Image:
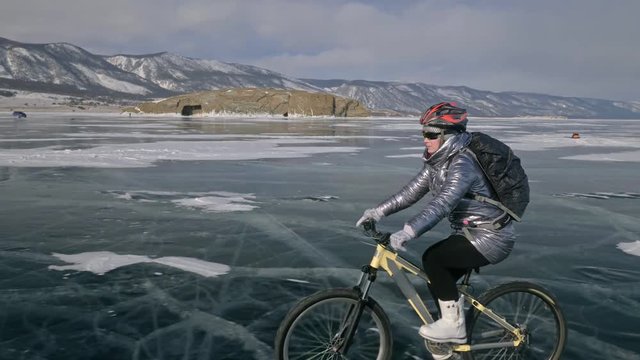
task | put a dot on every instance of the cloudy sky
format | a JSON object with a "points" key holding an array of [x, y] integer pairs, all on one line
{"points": [[587, 48]]}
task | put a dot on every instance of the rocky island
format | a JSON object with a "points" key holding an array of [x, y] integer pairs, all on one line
{"points": [[255, 101]]}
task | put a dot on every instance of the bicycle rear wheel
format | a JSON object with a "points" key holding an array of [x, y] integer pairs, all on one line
{"points": [[527, 306], [316, 326]]}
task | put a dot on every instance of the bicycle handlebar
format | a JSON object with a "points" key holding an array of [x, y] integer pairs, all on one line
{"points": [[370, 230]]}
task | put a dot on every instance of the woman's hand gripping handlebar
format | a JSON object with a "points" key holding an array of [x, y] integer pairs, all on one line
{"points": [[369, 229]]}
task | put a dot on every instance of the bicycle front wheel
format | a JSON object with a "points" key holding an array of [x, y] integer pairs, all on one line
{"points": [[527, 306], [317, 326]]}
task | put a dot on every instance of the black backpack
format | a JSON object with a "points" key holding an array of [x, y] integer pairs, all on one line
{"points": [[505, 173]]}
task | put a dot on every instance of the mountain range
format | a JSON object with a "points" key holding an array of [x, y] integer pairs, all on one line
{"points": [[67, 69]]}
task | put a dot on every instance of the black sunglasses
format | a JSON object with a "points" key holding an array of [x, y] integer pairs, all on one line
{"points": [[430, 135]]}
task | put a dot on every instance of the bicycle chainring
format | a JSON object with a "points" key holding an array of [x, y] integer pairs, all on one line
{"points": [[439, 350]]}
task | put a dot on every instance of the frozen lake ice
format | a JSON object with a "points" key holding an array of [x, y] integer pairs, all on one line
{"points": [[190, 238]]}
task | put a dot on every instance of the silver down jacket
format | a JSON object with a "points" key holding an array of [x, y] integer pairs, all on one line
{"points": [[449, 174]]}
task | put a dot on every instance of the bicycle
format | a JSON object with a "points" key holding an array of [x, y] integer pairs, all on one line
{"points": [[515, 320]]}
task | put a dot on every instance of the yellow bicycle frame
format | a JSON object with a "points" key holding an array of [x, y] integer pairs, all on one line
{"points": [[395, 265]]}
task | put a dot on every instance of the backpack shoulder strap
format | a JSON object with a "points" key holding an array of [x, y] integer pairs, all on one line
{"points": [[495, 203], [486, 199]]}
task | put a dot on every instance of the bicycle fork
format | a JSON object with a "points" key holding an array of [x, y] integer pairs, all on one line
{"points": [[343, 339]]}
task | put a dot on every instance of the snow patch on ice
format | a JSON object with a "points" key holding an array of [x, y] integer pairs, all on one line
{"points": [[632, 248], [28, 140], [182, 136], [625, 156], [101, 262], [535, 142], [213, 201], [219, 204], [197, 266], [298, 281], [418, 152], [146, 154], [416, 155]]}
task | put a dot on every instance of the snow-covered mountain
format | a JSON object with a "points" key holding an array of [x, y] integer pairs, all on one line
{"points": [[182, 74], [65, 68], [414, 98]]}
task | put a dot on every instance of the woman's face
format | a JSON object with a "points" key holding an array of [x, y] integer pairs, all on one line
{"points": [[432, 144]]}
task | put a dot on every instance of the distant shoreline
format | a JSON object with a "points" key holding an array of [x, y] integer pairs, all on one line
{"points": [[44, 102], [60, 109], [33, 102]]}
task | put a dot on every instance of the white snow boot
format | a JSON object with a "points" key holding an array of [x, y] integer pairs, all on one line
{"points": [[450, 327]]}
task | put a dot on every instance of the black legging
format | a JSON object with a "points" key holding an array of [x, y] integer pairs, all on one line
{"points": [[448, 260]]}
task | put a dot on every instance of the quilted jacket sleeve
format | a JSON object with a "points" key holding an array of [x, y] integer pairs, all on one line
{"points": [[415, 190]]}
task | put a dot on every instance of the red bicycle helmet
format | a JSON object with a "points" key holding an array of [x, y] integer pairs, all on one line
{"points": [[445, 115]]}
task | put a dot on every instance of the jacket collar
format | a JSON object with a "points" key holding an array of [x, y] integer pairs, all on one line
{"points": [[450, 147]]}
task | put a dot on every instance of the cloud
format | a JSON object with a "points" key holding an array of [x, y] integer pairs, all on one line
{"points": [[572, 48]]}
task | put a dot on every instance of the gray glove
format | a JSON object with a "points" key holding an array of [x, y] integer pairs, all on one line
{"points": [[399, 238], [373, 213]]}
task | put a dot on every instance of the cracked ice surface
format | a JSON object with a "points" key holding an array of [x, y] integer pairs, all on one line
{"points": [[168, 238]]}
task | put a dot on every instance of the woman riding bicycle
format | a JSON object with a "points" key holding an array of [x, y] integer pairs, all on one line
{"points": [[482, 233]]}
